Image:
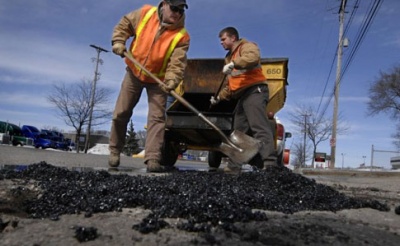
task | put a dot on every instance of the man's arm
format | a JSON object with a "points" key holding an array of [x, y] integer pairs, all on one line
{"points": [[126, 27], [178, 61], [249, 56]]}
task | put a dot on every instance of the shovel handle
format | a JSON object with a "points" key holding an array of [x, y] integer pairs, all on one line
{"points": [[130, 57], [205, 119], [220, 85], [219, 89], [184, 102]]}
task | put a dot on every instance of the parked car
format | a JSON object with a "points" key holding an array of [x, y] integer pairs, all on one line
{"points": [[30, 131], [58, 139], [43, 141], [281, 136], [15, 133]]}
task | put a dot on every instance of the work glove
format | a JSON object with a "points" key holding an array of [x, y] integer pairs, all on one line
{"points": [[228, 68], [214, 101], [225, 94], [119, 49], [168, 86]]}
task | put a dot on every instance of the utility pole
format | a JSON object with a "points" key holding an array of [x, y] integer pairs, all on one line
{"points": [[96, 74], [343, 159], [372, 155], [337, 84], [305, 138]]}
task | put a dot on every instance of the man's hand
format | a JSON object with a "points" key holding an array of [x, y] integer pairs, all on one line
{"points": [[168, 86], [214, 101], [119, 49], [228, 68]]}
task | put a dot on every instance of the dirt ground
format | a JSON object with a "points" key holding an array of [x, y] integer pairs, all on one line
{"points": [[345, 227]]}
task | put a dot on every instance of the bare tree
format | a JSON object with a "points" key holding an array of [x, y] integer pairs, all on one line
{"points": [[384, 97], [318, 128], [73, 105], [396, 137], [384, 94], [298, 152]]}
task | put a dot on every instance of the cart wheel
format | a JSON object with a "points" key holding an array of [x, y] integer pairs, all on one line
{"points": [[214, 159], [169, 154], [257, 162]]}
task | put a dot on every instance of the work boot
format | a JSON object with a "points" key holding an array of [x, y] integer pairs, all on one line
{"points": [[232, 169], [212, 169], [269, 164], [153, 166], [113, 160]]}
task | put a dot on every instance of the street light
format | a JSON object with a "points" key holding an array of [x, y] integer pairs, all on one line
{"points": [[343, 159], [364, 159]]}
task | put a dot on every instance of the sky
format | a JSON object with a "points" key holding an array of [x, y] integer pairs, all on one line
{"points": [[46, 42]]}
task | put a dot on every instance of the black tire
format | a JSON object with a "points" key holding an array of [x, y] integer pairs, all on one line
{"points": [[169, 153], [19, 144], [214, 159], [280, 159], [257, 162]]}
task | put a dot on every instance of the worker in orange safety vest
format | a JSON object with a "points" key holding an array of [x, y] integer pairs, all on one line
{"points": [[160, 43], [247, 83]]}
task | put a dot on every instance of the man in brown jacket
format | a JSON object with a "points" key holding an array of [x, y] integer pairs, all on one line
{"points": [[160, 44], [247, 83]]}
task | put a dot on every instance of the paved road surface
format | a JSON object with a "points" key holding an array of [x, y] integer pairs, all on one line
{"points": [[346, 227], [12, 155]]}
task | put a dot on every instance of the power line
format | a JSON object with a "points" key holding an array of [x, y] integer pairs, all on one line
{"points": [[362, 32], [360, 37], [355, 8], [339, 74]]}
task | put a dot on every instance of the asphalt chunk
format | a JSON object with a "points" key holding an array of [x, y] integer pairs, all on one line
{"points": [[204, 200]]}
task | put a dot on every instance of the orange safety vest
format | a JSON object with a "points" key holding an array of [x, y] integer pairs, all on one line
{"points": [[244, 77], [153, 54]]}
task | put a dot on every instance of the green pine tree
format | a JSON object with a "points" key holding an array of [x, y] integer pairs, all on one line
{"points": [[131, 143]]}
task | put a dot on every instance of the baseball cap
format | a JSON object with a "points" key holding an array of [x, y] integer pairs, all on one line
{"points": [[177, 3]]}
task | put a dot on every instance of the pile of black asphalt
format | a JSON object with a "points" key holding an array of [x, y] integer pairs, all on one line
{"points": [[204, 200]]}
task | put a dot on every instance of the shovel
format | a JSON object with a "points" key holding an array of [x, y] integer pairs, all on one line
{"points": [[239, 147], [219, 89]]}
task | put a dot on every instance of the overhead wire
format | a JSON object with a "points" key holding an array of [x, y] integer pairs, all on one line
{"points": [[360, 38], [362, 32], [353, 13]]}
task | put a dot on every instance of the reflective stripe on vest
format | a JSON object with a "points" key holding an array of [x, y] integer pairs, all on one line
{"points": [[171, 48], [237, 72], [244, 77], [143, 23]]}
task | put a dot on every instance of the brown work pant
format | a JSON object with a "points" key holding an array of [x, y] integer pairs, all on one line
{"points": [[129, 96], [251, 118]]}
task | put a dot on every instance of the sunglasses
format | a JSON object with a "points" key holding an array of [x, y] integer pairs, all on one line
{"points": [[176, 9]]}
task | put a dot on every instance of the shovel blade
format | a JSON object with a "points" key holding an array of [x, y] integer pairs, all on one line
{"points": [[244, 149]]}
